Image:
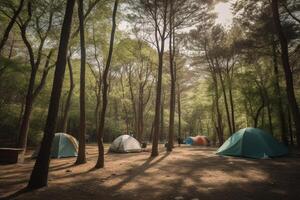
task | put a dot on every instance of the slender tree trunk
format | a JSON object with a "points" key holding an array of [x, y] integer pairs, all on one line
{"points": [[162, 123], [287, 70], [270, 117], [290, 127], [81, 150], [32, 91], [39, 175], [156, 129], [100, 160], [160, 53], [10, 25], [179, 111], [231, 104], [219, 126], [225, 101], [256, 117], [11, 48], [64, 123], [23, 131], [173, 79], [133, 102], [283, 127], [140, 113]]}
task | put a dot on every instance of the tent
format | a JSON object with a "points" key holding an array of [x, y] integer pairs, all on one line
{"points": [[125, 144], [63, 145], [189, 140], [202, 140], [252, 143], [198, 140]]}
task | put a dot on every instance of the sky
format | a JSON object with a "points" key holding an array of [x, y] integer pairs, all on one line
{"points": [[223, 11], [224, 14]]}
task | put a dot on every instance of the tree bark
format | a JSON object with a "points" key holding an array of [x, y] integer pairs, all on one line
{"points": [[225, 100], [64, 123], [81, 159], [287, 70], [39, 175], [160, 53], [173, 78], [290, 127], [100, 160], [231, 101], [179, 111], [218, 113], [282, 119]]}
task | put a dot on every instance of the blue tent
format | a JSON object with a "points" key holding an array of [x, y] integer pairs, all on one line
{"points": [[189, 141]]}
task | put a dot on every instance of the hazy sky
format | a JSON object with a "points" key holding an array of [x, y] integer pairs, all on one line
{"points": [[224, 14]]}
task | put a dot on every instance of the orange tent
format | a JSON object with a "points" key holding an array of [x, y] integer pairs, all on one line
{"points": [[201, 140]]}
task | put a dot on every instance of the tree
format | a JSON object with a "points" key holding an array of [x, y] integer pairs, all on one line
{"points": [[157, 10], [67, 106], [16, 13], [100, 160], [35, 60], [81, 151], [287, 69], [39, 175]]}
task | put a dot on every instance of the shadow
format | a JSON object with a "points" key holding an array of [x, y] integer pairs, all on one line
{"points": [[187, 172], [140, 170], [16, 194]]}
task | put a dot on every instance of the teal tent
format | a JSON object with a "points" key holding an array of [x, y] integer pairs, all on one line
{"points": [[252, 143], [63, 145]]}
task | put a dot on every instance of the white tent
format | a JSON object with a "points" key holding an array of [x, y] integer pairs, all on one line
{"points": [[125, 144]]}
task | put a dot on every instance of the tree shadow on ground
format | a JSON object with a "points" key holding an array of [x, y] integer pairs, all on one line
{"points": [[184, 172]]}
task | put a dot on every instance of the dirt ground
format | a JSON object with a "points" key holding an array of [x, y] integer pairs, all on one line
{"points": [[186, 173]]}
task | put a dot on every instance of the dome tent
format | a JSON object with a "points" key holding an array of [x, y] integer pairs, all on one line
{"points": [[189, 140], [125, 144], [252, 143], [63, 145]]}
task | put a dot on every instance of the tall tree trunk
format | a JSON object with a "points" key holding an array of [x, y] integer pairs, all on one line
{"points": [[231, 103], [23, 131], [140, 113], [256, 117], [39, 175], [156, 129], [160, 53], [81, 150], [179, 110], [100, 160], [162, 123], [10, 25], [270, 117], [287, 70], [225, 101], [32, 91], [173, 78], [283, 127], [133, 102], [290, 127], [219, 126], [64, 123]]}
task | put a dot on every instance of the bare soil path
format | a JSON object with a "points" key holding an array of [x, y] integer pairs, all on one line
{"points": [[186, 173]]}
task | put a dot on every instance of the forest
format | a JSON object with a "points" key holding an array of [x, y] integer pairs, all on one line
{"points": [[160, 71]]}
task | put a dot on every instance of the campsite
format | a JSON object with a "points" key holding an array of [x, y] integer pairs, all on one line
{"points": [[187, 172], [149, 99]]}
